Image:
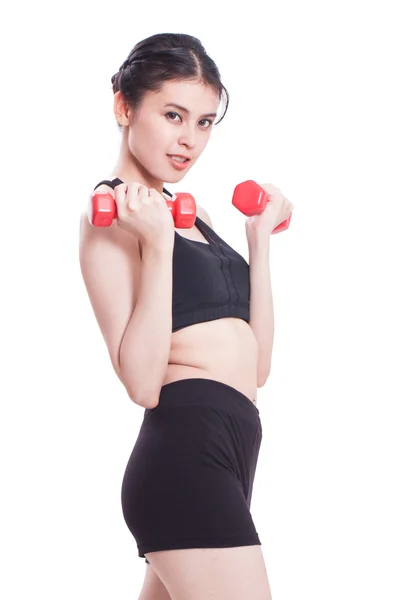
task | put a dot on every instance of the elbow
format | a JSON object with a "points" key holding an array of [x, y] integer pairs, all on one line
{"points": [[143, 398], [146, 401], [262, 378], [261, 382]]}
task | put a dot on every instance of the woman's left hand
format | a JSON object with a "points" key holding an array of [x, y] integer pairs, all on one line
{"points": [[277, 210]]}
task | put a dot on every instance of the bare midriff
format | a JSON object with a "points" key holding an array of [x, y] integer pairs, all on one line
{"points": [[224, 350]]}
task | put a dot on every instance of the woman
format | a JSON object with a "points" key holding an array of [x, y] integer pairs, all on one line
{"points": [[183, 336]]}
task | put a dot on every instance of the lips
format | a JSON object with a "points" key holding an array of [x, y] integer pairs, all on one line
{"points": [[178, 165], [179, 156]]}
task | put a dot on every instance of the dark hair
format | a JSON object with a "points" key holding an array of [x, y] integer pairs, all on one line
{"points": [[163, 57]]}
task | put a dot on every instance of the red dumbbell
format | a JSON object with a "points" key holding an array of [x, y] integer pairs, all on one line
{"points": [[103, 209], [251, 199]]}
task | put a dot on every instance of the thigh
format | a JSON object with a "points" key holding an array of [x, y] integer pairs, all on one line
{"points": [[153, 588], [223, 573]]}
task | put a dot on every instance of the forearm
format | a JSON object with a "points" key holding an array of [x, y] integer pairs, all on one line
{"points": [[146, 344], [261, 307]]}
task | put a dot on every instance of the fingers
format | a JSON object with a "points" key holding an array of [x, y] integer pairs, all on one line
{"points": [[126, 197], [155, 195], [119, 194]]}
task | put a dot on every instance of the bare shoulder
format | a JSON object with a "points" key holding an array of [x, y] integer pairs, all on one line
{"points": [[204, 216]]}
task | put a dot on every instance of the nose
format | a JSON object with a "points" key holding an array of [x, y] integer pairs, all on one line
{"points": [[188, 137]]}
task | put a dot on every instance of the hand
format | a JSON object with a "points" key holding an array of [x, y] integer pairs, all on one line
{"points": [[277, 210], [144, 212]]}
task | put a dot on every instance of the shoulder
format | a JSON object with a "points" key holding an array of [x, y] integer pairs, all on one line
{"points": [[204, 216]]}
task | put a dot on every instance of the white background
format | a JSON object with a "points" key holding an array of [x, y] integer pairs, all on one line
{"points": [[314, 90]]}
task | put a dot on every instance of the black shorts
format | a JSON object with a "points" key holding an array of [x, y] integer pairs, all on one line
{"points": [[189, 479]]}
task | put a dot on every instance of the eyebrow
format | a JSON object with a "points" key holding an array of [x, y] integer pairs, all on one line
{"points": [[182, 108]]}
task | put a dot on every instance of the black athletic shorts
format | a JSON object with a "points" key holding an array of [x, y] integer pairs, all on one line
{"points": [[189, 479]]}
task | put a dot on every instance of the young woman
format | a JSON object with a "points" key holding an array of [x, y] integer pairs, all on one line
{"points": [[183, 335]]}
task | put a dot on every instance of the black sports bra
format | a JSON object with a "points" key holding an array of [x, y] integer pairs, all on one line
{"points": [[210, 281]]}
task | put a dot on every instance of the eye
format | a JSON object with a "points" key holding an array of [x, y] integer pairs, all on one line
{"points": [[178, 115], [209, 120], [172, 113]]}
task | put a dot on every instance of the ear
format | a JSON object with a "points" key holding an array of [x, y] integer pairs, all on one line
{"points": [[121, 110], [204, 216]]}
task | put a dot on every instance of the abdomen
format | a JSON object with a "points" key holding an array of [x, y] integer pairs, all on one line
{"points": [[225, 350]]}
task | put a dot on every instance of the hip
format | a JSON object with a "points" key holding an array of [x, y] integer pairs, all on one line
{"points": [[204, 409]]}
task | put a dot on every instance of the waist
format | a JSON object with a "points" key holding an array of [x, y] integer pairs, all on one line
{"points": [[206, 392], [225, 350]]}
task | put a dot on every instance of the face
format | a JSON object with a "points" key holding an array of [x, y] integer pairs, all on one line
{"points": [[160, 129]]}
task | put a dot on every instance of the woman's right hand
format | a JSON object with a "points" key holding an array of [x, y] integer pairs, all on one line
{"points": [[144, 212]]}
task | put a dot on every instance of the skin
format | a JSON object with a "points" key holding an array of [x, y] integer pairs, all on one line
{"points": [[154, 131], [148, 135], [155, 127]]}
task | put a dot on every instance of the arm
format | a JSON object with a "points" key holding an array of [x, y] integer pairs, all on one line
{"points": [[145, 347], [132, 302], [261, 307]]}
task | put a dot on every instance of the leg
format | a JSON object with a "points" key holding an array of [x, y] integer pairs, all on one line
{"points": [[189, 511], [153, 588], [220, 573]]}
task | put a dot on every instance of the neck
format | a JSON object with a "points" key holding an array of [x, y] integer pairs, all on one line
{"points": [[128, 169]]}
